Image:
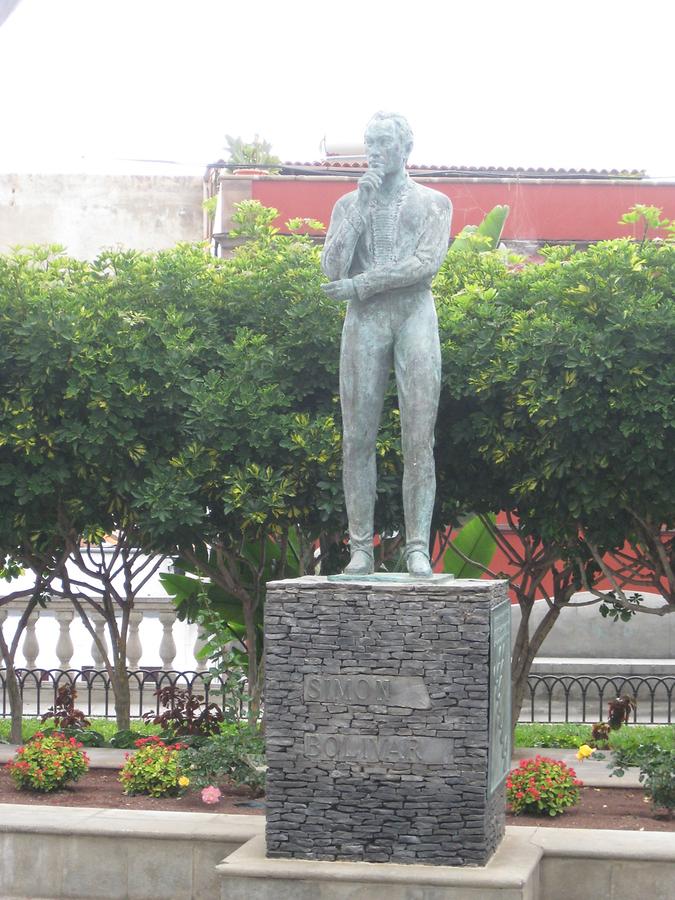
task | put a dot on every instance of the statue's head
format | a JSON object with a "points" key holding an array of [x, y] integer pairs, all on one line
{"points": [[388, 141]]}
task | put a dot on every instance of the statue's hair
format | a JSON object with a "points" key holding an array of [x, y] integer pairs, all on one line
{"points": [[399, 122]]}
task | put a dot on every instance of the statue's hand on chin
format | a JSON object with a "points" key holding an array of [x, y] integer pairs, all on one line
{"points": [[369, 183]]}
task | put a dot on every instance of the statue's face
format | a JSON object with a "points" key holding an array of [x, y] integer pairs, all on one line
{"points": [[384, 147]]}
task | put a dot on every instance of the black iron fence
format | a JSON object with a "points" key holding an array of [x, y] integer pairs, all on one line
{"points": [[550, 698], [584, 698], [96, 698]]}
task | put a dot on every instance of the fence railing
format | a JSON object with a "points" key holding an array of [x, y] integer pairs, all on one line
{"points": [[584, 698], [550, 698], [95, 696]]}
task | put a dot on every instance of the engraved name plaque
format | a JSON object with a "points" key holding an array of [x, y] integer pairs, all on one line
{"points": [[367, 690], [390, 750]]}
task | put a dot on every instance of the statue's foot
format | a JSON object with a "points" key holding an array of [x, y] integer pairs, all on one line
{"points": [[361, 563], [418, 564]]}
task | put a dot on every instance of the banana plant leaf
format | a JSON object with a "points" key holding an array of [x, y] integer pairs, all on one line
{"points": [[476, 542], [490, 228], [186, 591]]}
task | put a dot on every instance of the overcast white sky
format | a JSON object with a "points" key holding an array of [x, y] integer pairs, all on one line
{"points": [[84, 83]]}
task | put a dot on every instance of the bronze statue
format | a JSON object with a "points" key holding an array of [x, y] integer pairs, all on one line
{"points": [[385, 243]]}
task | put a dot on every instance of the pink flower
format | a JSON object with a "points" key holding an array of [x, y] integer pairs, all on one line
{"points": [[211, 794]]}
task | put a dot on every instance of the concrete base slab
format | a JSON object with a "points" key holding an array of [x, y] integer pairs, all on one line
{"points": [[511, 874], [530, 864]]}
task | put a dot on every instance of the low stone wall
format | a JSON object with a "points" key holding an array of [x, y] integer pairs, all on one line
{"points": [[61, 853], [54, 853]]}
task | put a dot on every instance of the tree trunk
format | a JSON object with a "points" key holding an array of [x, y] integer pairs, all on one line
{"points": [[15, 702], [254, 675], [12, 682], [120, 683], [525, 650]]}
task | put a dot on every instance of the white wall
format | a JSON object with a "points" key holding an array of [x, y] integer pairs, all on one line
{"points": [[87, 212], [582, 632]]}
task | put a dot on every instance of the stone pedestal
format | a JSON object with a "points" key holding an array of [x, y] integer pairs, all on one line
{"points": [[387, 707]]}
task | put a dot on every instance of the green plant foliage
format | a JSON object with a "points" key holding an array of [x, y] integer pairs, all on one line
{"points": [[125, 740], [255, 152], [657, 771], [563, 736], [63, 713], [567, 735], [154, 769], [486, 235], [473, 542], [612, 609], [235, 758], [105, 727], [87, 737], [562, 373], [184, 713], [542, 785], [48, 763]]}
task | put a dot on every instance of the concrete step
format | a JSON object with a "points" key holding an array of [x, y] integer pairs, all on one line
{"points": [[609, 667]]}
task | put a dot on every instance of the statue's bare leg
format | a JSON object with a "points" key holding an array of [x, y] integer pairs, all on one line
{"points": [[365, 365]]}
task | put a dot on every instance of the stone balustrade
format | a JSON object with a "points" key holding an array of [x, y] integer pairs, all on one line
{"points": [[56, 638]]}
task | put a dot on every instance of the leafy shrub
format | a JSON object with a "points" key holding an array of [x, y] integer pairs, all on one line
{"points": [[564, 736], [185, 713], [619, 710], [48, 762], [125, 740], [629, 744], [236, 758], [600, 735], [657, 772], [154, 769], [63, 711], [542, 785], [88, 738]]}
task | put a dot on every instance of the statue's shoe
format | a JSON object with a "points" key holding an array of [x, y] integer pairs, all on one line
{"points": [[361, 563], [418, 564]]}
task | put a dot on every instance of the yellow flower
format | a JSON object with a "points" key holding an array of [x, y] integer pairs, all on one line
{"points": [[585, 751], [183, 781]]}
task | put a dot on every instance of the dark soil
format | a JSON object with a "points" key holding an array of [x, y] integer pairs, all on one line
{"points": [[101, 788], [621, 809]]}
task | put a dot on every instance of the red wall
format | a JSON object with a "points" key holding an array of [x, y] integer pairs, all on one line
{"points": [[501, 564], [554, 211]]}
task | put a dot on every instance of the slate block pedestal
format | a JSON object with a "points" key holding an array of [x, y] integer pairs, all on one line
{"points": [[387, 710]]}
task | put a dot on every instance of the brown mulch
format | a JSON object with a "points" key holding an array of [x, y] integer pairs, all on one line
{"points": [[101, 788], [621, 809]]}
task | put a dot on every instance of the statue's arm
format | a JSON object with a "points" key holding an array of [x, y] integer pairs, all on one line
{"points": [[422, 265], [346, 225]]}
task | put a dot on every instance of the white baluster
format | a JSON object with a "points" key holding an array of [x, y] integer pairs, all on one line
{"points": [[31, 647], [64, 644], [200, 664], [167, 647], [134, 647], [99, 628]]}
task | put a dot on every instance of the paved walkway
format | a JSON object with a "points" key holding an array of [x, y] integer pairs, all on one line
{"points": [[593, 772]]}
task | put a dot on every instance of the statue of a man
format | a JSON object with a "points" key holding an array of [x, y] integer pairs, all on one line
{"points": [[386, 241]]}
